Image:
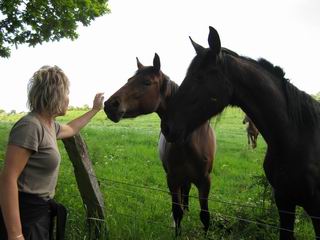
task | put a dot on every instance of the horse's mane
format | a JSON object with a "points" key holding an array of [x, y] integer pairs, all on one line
{"points": [[276, 70], [173, 87], [302, 108]]}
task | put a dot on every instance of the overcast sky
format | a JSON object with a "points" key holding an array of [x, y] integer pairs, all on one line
{"points": [[286, 32]]}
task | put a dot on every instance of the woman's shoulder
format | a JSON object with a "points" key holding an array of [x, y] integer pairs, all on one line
{"points": [[27, 132], [29, 119]]}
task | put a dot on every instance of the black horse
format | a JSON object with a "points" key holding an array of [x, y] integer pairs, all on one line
{"points": [[286, 117]]}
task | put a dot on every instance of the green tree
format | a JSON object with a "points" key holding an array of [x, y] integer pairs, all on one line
{"points": [[316, 96], [36, 21]]}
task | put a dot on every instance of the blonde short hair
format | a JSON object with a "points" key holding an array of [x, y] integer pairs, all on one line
{"points": [[47, 90]]}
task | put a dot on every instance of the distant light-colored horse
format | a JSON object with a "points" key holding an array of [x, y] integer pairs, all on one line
{"points": [[252, 131]]}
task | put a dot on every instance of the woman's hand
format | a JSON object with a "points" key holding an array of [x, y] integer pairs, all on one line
{"points": [[74, 126], [98, 102]]}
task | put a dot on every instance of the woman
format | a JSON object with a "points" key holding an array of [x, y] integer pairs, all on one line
{"points": [[29, 175]]}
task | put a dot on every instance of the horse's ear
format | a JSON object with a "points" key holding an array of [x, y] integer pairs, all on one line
{"points": [[156, 62], [139, 64], [214, 41], [196, 46]]}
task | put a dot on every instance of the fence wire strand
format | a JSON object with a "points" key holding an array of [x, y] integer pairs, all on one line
{"points": [[126, 192]]}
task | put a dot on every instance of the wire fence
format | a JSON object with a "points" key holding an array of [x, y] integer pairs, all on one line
{"points": [[123, 190]]}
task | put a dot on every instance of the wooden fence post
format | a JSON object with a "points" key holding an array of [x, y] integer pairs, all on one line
{"points": [[88, 186]]}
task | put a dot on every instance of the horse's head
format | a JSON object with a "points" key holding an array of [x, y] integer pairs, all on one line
{"points": [[140, 95], [204, 92]]}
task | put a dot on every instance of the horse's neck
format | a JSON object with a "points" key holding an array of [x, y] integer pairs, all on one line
{"points": [[169, 89], [262, 99]]}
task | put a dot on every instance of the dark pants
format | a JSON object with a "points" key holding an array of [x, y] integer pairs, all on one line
{"points": [[37, 218]]}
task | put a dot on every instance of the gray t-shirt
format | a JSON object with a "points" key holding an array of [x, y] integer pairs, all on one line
{"points": [[41, 171]]}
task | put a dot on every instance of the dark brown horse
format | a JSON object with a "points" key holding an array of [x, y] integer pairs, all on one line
{"points": [[191, 162], [252, 132], [287, 118]]}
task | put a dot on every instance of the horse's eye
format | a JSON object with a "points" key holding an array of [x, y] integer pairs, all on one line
{"points": [[147, 82]]}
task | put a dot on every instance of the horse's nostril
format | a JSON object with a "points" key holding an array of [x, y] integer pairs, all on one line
{"points": [[112, 104], [115, 103]]}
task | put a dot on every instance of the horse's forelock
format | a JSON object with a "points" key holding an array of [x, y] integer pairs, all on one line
{"points": [[145, 70]]}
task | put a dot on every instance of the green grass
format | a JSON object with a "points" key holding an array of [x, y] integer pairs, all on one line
{"points": [[132, 180]]}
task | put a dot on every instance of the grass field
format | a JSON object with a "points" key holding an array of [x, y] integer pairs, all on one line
{"points": [[132, 180]]}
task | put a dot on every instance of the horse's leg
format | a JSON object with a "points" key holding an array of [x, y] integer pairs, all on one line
{"points": [[251, 139], [254, 141], [177, 210], [315, 217], [313, 211], [185, 195], [287, 216], [248, 135], [204, 189]]}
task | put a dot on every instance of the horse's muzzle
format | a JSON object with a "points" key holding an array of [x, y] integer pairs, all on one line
{"points": [[112, 110]]}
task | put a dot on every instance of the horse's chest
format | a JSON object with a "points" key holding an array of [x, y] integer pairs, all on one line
{"points": [[298, 179], [182, 162], [279, 170]]}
